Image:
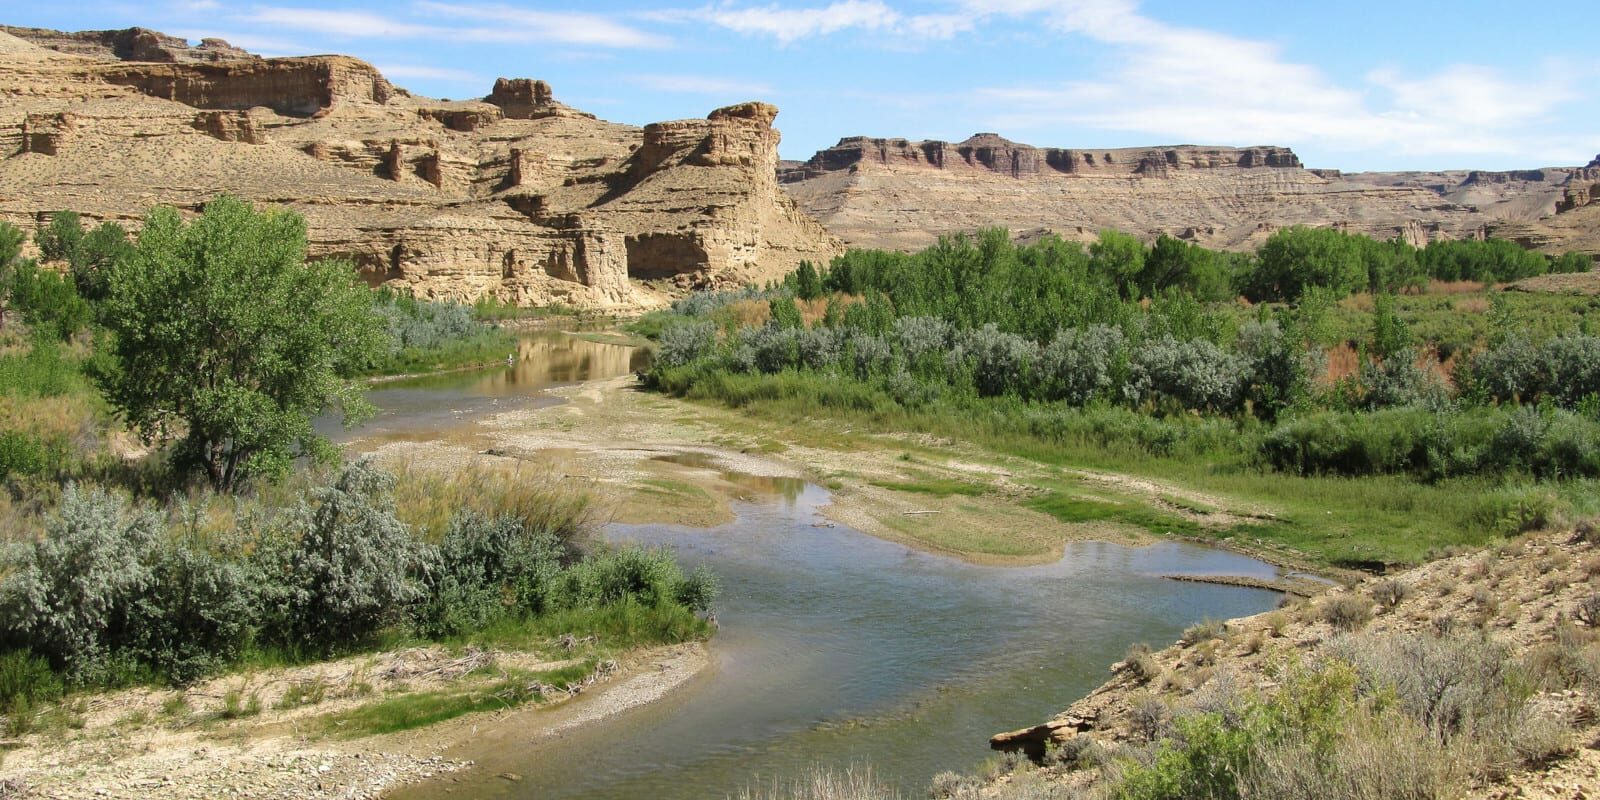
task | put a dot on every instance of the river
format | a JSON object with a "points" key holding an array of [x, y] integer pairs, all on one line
{"points": [[835, 648]]}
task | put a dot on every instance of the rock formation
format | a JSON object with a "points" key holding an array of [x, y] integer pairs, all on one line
{"points": [[902, 194], [516, 196]]}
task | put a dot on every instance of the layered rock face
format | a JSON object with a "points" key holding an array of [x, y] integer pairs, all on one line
{"points": [[516, 196], [903, 194]]}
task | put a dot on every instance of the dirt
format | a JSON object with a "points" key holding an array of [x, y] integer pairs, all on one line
{"points": [[1520, 595], [186, 744]]}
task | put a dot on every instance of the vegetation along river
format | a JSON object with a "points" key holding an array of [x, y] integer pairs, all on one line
{"points": [[835, 648]]}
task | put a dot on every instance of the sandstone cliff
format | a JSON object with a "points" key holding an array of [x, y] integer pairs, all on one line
{"points": [[517, 195], [902, 194]]}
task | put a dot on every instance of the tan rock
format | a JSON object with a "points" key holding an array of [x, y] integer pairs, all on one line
{"points": [[903, 194], [517, 196]]}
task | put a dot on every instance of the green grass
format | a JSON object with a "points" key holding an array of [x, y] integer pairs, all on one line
{"points": [[1364, 522], [1068, 508], [506, 690], [937, 487], [481, 349]]}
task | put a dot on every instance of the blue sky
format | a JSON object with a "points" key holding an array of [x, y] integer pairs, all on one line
{"points": [[1356, 84]]}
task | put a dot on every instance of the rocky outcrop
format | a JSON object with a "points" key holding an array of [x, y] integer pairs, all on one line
{"points": [[902, 194], [994, 153], [129, 44], [517, 196]]}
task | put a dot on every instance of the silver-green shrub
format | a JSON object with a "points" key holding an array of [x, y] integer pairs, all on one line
{"points": [[67, 595], [343, 565]]}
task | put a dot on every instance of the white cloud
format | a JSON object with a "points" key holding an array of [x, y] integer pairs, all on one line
{"points": [[1192, 85], [791, 24], [424, 72], [260, 45], [701, 84], [493, 23]]}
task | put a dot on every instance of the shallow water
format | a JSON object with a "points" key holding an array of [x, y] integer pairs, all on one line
{"points": [[423, 408], [837, 648]]}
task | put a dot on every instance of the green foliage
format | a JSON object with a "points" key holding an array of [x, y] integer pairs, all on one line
{"points": [[1120, 257], [805, 282], [20, 454], [27, 677], [343, 565], [68, 595], [1295, 258], [432, 334], [1485, 260], [41, 372], [48, 301], [59, 239], [224, 332], [1390, 335]]}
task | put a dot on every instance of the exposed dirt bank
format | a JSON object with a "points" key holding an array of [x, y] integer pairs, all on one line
{"points": [[661, 460], [277, 733]]}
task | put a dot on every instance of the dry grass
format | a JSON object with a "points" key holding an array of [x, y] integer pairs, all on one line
{"points": [[1457, 287], [428, 498], [749, 313]]}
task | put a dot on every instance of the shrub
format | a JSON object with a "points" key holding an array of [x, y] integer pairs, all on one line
{"points": [[48, 301], [686, 343], [20, 454], [487, 567], [68, 595], [1079, 365], [1390, 592], [196, 614], [1194, 374], [343, 565], [1345, 611], [29, 677]]}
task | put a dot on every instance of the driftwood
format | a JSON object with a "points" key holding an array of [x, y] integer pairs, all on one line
{"points": [[910, 513]]}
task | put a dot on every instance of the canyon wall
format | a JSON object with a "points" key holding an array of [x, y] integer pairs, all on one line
{"points": [[515, 196], [903, 194]]}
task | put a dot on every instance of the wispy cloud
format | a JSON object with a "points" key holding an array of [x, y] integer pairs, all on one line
{"points": [[702, 84], [792, 24], [435, 20], [424, 72], [260, 45], [1189, 84]]}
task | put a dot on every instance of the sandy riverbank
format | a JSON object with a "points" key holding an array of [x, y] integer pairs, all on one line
{"points": [[281, 738]]}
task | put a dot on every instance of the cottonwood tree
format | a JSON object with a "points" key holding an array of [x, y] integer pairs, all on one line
{"points": [[225, 335]]}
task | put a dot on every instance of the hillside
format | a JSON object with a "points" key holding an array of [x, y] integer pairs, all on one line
{"points": [[903, 194], [516, 195]]}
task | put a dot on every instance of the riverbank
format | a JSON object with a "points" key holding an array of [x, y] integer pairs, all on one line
{"points": [[298, 732], [659, 459], [1496, 651]]}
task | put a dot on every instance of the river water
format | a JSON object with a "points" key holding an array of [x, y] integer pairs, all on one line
{"points": [[834, 648]]}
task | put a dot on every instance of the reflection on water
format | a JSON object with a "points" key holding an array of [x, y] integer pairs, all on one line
{"points": [[768, 486], [836, 648], [421, 408]]}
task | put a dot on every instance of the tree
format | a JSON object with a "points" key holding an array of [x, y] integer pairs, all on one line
{"points": [[807, 283], [58, 240], [11, 239], [225, 334], [1119, 257]]}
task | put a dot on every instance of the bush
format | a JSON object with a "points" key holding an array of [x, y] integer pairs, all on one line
{"points": [[1194, 374], [1080, 365], [685, 344], [28, 677], [68, 596], [1346, 611], [196, 614], [343, 565], [48, 301], [20, 454], [489, 567]]}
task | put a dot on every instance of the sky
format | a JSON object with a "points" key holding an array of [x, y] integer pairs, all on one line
{"points": [[1354, 84]]}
